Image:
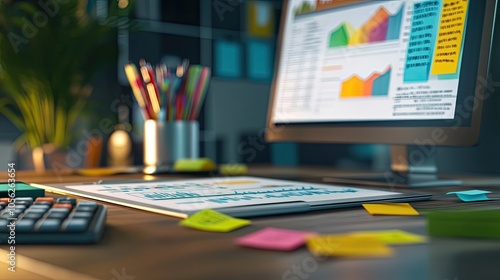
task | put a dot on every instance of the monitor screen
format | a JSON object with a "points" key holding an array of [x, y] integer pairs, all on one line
{"points": [[360, 71]]}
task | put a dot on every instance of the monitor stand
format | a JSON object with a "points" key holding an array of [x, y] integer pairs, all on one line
{"points": [[412, 166]]}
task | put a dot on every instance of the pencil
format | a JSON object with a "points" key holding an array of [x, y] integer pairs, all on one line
{"points": [[135, 83]]}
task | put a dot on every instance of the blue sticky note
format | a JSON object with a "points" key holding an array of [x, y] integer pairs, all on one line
{"points": [[472, 195], [260, 60], [228, 59]]}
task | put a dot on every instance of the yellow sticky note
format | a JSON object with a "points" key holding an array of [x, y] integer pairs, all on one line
{"points": [[194, 165], [260, 19], [398, 209], [342, 245], [392, 237], [450, 36], [210, 220], [233, 169]]}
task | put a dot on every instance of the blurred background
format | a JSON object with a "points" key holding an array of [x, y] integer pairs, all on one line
{"points": [[103, 126]]}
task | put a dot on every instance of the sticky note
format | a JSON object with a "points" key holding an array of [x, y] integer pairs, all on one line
{"points": [[233, 169], [210, 220], [260, 60], [397, 209], [450, 38], [482, 223], [392, 237], [228, 59], [343, 245], [194, 165], [275, 239], [260, 19], [472, 195]]}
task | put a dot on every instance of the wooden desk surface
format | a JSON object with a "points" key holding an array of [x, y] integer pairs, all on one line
{"points": [[142, 245]]}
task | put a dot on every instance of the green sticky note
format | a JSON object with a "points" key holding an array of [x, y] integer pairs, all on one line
{"points": [[194, 165], [210, 220], [464, 223], [21, 190]]}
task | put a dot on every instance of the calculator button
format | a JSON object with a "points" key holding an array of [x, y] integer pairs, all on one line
{"points": [[58, 213], [88, 204], [24, 203], [75, 225], [62, 205], [58, 216], [8, 214], [24, 200], [20, 207], [3, 225], [5, 200], [3, 205], [85, 209], [67, 200], [48, 199], [33, 215], [48, 225], [82, 215], [36, 210], [59, 210], [39, 206], [48, 203], [25, 225]]}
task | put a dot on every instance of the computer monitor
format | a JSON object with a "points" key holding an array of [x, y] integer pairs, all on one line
{"points": [[412, 74]]}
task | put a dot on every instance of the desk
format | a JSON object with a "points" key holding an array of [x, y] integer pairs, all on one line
{"points": [[142, 245]]}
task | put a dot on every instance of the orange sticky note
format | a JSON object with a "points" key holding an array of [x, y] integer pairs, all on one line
{"points": [[397, 209]]}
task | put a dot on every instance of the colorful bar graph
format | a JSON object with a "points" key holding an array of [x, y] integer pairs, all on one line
{"points": [[377, 84], [381, 27]]}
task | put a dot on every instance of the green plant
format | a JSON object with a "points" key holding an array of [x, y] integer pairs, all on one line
{"points": [[46, 66]]}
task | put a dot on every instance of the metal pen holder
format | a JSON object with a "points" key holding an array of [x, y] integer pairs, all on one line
{"points": [[166, 142]]}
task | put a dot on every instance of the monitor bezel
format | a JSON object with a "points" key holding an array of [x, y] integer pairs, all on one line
{"points": [[393, 135]]}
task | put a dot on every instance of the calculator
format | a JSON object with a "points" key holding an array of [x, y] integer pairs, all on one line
{"points": [[50, 220]]}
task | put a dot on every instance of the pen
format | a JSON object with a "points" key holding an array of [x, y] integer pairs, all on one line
{"points": [[155, 104], [197, 92], [202, 94], [137, 89]]}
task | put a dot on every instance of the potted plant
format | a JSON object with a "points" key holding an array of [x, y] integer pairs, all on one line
{"points": [[49, 53]]}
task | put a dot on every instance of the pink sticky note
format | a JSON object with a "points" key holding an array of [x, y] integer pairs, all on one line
{"points": [[275, 239]]}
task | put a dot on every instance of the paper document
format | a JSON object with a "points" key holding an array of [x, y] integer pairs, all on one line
{"points": [[237, 196]]}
